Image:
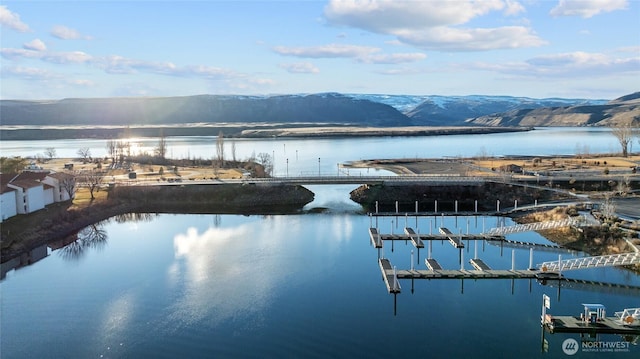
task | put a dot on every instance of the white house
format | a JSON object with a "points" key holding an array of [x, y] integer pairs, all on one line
{"points": [[29, 195], [31, 191], [63, 185], [8, 206]]}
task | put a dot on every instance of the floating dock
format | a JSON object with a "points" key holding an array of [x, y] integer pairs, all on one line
{"points": [[479, 264], [570, 324], [415, 239], [432, 264], [435, 271], [376, 239], [390, 280], [452, 238]]}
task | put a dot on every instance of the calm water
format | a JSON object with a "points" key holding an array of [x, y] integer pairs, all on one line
{"points": [[308, 157], [288, 286]]}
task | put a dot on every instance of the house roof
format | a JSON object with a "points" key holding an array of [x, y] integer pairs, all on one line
{"points": [[5, 178], [30, 175], [60, 176], [26, 183]]}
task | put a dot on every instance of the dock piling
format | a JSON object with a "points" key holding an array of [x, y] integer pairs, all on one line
{"points": [[530, 258]]}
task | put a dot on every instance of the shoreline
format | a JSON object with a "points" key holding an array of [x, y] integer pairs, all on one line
{"points": [[240, 130]]}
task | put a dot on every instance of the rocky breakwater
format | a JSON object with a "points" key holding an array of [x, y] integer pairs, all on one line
{"points": [[238, 198], [486, 194]]}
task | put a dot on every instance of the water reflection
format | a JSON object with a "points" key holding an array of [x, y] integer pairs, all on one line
{"points": [[135, 217], [90, 237], [24, 260], [225, 271]]}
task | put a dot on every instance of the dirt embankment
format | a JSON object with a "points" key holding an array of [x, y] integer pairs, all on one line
{"points": [[487, 196], [22, 233]]}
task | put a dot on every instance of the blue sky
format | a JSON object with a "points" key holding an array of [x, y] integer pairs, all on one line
{"points": [[534, 48]]}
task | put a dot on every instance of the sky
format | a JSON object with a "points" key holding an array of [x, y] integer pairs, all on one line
{"points": [[534, 48]]}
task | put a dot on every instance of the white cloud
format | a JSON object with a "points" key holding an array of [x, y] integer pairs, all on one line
{"points": [[363, 54], [393, 58], [82, 83], [571, 64], [18, 54], [300, 68], [326, 51], [72, 57], [434, 24], [455, 39], [35, 45], [66, 33], [118, 65], [12, 20], [28, 73], [587, 8]]}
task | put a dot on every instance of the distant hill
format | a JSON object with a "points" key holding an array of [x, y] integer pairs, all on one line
{"points": [[377, 110], [316, 108], [623, 110], [456, 110]]}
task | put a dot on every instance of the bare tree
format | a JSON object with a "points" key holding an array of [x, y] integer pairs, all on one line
{"points": [[266, 161], [93, 181], [624, 133], [220, 149], [161, 150], [233, 152], [84, 153], [50, 152], [91, 237], [69, 186]]}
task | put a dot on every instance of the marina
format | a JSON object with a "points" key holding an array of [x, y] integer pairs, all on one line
{"points": [[592, 320]]}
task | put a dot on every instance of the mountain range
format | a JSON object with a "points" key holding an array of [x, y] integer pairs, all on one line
{"points": [[321, 109]]}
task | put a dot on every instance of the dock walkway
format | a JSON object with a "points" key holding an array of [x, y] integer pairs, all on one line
{"points": [[415, 238], [390, 279], [479, 264], [570, 324], [452, 238]]}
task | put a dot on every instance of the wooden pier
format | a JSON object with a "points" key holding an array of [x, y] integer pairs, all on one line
{"points": [[452, 238], [479, 264], [435, 271], [570, 324], [415, 239], [376, 238], [390, 280], [432, 264]]}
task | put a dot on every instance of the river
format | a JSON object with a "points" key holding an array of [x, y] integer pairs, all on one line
{"points": [[230, 286]]}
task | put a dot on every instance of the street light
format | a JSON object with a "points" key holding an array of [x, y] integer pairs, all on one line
{"points": [[287, 167], [318, 166]]}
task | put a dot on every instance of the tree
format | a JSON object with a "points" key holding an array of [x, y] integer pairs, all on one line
{"points": [[12, 164], [233, 152], [111, 150], [93, 236], [161, 150], [50, 152], [69, 186], [84, 153], [93, 181], [220, 149], [624, 133], [266, 161]]}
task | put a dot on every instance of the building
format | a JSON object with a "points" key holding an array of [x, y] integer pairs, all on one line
{"points": [[31, 191]]}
